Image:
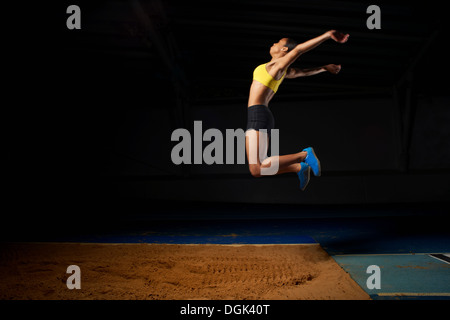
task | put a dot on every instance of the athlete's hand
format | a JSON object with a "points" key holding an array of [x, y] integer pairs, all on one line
{"points": [[333, 68], [338, 36]]}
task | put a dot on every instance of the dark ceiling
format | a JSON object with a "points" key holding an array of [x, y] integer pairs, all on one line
{"points": [[208, 49]]}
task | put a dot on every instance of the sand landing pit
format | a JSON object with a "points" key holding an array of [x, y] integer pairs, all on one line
{"points": [[173, 272]]}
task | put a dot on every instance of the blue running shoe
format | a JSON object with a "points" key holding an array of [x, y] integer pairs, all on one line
{"points": [[313, 161], [304, 175]]}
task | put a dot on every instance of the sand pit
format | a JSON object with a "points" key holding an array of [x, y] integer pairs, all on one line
{"points": [[173, 272]]}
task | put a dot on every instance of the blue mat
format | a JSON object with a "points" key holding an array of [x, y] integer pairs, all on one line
{"points": [[405, 276]]}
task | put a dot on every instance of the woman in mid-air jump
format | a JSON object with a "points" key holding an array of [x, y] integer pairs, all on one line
{"points": [[266, 80]]}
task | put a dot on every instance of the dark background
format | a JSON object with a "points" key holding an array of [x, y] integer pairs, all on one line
{"points": [[89, 113]]}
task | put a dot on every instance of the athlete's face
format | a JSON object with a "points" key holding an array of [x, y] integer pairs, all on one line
{"points": [[279, 46]]}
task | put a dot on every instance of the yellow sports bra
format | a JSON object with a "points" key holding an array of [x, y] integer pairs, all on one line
{"points": [[261, 75]]}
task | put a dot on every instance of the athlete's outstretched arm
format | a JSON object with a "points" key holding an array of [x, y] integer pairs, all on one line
{"points": [[293, 73], [304, 47]]}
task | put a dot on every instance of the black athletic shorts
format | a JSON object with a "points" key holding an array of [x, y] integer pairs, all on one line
{"points": [[260, 117]]}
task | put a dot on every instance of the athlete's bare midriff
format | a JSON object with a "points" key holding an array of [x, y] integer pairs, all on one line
{"points": [[259, 94]]}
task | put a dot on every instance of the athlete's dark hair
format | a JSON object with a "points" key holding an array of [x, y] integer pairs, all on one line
{"points": [[290, 44]]}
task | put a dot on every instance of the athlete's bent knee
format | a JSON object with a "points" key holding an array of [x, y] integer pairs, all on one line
{"points": [[255, 171]]}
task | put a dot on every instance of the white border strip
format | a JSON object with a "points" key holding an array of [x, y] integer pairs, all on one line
{"points": [[444, 254], [387, 254], [414, 294]]}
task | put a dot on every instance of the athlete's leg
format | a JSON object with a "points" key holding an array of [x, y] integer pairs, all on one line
{"points": [[254, 152], [286, 163], [291, 168], [256, 144]]}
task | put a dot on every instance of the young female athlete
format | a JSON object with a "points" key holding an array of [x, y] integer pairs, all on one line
{"points": [[266, 80]]}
